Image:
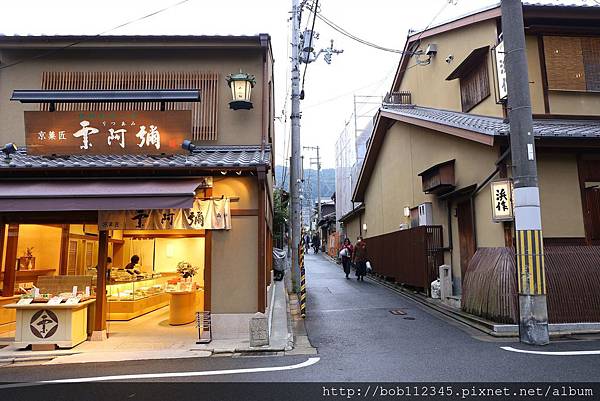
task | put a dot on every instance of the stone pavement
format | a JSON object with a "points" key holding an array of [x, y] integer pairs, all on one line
{"points": [[151, 337]]}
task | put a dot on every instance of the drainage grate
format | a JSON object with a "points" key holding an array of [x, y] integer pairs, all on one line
{"points": [[397, 312], [409, 318]]}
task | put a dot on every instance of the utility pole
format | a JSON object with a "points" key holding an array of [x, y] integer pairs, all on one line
{"points": [[295, 166], [308, 56], [533, 312], [318, 163]]}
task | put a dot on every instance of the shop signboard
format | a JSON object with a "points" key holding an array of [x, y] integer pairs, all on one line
{"points": [[501, 193], [212, 214], [66, 133], [501, 72]]}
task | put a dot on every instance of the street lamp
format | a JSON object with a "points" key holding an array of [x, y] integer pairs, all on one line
{"points": [[241, 85]]}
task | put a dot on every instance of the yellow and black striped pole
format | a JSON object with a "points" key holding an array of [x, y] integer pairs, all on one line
{"points": [[530, 262], [302, 278]]}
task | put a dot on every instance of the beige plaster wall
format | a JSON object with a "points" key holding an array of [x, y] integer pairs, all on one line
{"points": [[428, 84], [536, 83], [578, 103], [234, 267], [234, 127], [353, 228], [243, 187], [560, 196]]}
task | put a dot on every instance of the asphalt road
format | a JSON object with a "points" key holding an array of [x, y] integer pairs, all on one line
{"points": [[359, 340]]}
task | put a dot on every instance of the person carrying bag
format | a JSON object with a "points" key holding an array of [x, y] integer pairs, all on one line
{"points": [[346, 255], [360, 258]]}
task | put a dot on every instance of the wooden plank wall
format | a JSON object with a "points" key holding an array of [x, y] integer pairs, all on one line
{"points": [[204, 113]]}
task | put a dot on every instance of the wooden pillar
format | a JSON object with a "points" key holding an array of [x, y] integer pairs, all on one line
{"points": [[262, 288], [207, 261], [64, 250], [2, 231], [10, 261], [101, 305]]}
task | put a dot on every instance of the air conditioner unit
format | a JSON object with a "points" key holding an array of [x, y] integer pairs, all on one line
{"points": [[425, 214]]}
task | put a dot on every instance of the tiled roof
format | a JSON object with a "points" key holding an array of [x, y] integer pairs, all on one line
{"points": [[494, 126], [557, 3], [202, 157]]}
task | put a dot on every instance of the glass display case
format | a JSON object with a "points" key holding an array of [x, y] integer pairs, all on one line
{"points": [[135, 290]]}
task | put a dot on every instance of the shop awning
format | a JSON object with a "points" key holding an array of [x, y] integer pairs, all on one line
{"points": [[66, 195]]}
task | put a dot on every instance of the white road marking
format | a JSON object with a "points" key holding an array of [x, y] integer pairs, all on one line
{"points": [[554, 353], [309, 362]]}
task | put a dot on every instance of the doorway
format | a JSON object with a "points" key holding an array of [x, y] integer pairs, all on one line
{"points": [[466, 234]]}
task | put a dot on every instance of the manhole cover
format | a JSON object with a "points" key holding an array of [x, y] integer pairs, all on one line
{"points": [[409, 318], [397, 312]]}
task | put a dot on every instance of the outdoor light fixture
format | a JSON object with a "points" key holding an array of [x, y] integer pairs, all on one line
{"points": [[239, 172], [364, 226], [188, 145], [241, 85], [406, 211], [223, 172], [9, 149]]}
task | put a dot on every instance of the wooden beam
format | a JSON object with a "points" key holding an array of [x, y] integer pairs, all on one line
{"points": [[10, 261], [64, 250], [244, 212], [208, 263], [100, 319], [261, 288], [542, 56]]}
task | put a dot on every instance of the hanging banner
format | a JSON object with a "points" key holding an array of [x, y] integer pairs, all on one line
{"points": [[204, 215], [502, 207]]}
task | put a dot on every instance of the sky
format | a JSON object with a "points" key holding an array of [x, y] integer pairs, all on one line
{"points": [[329, 89]]}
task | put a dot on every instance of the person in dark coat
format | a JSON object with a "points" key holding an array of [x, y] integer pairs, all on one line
{"points": [[316, 242], [346, 251], [360, 258]]}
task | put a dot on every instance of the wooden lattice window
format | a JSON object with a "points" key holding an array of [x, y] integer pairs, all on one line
{"points": [[204, 113], [572, 63], [474, 85]]}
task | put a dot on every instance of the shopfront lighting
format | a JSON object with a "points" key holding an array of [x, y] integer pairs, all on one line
{"points": [[239, 172], [241, 85], [223, 172], [188, 145], [9, 149]]}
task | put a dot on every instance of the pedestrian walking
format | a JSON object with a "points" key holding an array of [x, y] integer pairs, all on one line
{"points": [[316, 242], [346, 254], [306, 243], [360, 258]]}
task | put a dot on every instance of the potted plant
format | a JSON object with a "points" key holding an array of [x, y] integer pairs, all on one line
{"points": [[27, 261], [186, 270]]}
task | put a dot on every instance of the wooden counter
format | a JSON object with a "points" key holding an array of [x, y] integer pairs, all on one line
{"points": [[40, 324], [184, 305], [7, 316]]}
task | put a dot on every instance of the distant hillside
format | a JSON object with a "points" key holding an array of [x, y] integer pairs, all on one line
{"points": [[310, 181]]}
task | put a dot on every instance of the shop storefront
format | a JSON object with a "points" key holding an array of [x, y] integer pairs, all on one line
{"points": [[101, 204]]}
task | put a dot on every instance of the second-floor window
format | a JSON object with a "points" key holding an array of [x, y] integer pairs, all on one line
{"points": [[572, 63], [474, 85]]}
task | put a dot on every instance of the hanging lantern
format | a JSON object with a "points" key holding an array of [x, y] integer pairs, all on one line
{"points": [[241, 85]]}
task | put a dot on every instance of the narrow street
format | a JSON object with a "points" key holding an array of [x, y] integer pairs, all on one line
{"points": [[358, 339]]}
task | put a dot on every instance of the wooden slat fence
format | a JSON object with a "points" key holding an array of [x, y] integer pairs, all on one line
{"points": [[411, 257]]}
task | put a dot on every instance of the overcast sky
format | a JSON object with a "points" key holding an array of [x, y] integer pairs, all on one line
{"points": [[328, 105]]}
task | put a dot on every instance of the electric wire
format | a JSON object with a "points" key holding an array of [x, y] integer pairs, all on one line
{"points": [[87, 39], [354, 37]]}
